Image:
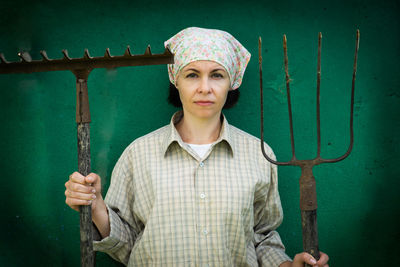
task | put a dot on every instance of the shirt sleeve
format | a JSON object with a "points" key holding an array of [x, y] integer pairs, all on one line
{"points": [[268, 215], [124, 227]]}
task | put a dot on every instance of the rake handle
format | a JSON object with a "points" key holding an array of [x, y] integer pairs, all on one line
{"points": [[308, 207], [83, 134], [85, 212]]}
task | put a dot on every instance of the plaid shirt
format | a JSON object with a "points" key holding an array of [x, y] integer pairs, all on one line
{"points": [[168, 207]]}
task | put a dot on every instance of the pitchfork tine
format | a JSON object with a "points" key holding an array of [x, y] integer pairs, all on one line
{"points": [[262, 104], [288, 96], [318, 96], [262, 110], [351, 105]]}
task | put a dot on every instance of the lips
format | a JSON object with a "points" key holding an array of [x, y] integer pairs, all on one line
{"points": [[204, 103]]}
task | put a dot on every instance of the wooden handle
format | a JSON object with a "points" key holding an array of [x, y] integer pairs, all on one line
{"points": [[310, 232], [308, 207], [83, 129], [86, 231]]}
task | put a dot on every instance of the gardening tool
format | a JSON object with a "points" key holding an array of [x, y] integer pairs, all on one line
{"points": [[81, 68], [308, 195]]}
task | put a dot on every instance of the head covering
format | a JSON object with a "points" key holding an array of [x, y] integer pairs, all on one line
{"points": [[192, 44]]}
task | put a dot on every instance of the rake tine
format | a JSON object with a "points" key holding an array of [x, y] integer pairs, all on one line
{"points": [[3, 59], [148, 51], [107, 53], [44, 55], [288, 96], [86, 54], [65, 52], [318, 96], [168, 52], [351, 105], [128, 52], [25, 56]]}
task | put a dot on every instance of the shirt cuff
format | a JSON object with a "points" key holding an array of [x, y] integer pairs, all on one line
{"points": [[280, 257], [110, 243]]}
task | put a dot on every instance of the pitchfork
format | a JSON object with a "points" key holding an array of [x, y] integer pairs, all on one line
{"points": [[308, 196], [81, 68]]}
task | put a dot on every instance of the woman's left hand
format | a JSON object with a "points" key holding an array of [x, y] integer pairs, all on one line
{"points": [[302, 258]]}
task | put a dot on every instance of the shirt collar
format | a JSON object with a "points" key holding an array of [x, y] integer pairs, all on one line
{"points": [[173, 136]]}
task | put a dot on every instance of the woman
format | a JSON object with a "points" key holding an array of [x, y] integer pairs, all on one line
{"points": [[197, 192]]}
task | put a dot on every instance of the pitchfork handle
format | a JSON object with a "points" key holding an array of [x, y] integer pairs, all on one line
{"points": [[308, 207], [310, 233]]}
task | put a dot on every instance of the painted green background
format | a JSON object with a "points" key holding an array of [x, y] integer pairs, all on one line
{"points": [[358, 198]]}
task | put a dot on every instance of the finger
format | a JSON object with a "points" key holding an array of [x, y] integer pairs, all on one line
{"points": [[91, 178], [79, 195], [75, 203], [324, 258], [305, 258], [75, 187], [94, 180], [309, 259], [76, 177]]}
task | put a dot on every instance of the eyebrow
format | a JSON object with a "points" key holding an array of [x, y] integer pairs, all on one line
{"points": [[214, 70]]}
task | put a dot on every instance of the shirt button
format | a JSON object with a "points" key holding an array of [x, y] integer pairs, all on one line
{"points": [[201, 164], [205, 231], [202, 196]]}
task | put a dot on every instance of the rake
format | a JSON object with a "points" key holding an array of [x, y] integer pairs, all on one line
{"points": [[81, 68], [308, 196]]}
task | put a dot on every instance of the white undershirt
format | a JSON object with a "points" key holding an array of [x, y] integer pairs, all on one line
{"points": [[201, 150]]}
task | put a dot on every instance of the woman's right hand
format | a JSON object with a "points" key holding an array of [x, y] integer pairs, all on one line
{"points": [[81, 190]]}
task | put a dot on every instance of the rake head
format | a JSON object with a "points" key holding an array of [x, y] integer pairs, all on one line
{"points": [[81, 68], [308, 198], [27, 65]]}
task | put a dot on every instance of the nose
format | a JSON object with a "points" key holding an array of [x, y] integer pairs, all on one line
{"points": [[204, 86]]}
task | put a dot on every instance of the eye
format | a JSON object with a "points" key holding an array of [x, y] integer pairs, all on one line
{"points": [[191, 75], [217, 75]]}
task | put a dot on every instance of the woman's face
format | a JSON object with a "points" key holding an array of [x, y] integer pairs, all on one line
{"points": [[203, 87]]}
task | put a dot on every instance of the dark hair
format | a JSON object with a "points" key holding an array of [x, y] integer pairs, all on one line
{"points": [[174, 99]]}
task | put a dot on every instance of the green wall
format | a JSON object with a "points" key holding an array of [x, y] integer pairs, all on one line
{"points": [[358, 198]]}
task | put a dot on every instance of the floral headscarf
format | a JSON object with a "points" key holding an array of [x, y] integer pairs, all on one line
{"points": [[192, 44]]}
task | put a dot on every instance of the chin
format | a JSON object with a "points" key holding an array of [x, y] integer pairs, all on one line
{"points": [[206, 114]]}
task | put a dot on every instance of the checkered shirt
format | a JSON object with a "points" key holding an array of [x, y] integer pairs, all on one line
{"points": [[169, 207]]}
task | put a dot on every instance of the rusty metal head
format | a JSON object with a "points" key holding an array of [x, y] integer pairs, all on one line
{"points": [[308, 195], [27, 65], [318, 159]]}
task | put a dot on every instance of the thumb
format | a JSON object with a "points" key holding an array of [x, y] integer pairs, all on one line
{"points": [[93, 179], [302, 258]]}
